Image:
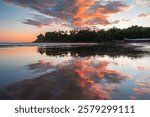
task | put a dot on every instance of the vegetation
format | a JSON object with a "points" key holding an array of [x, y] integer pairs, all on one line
{"points": [[88, 36]]}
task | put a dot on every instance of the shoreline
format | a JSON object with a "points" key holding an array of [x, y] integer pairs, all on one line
{"points": [[60, 45]]}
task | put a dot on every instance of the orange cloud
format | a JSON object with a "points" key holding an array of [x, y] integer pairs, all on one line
{"points": [[83, 16], [74, 13]]}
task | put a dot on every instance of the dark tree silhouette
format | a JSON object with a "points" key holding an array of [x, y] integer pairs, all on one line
{"points": [[88, 36]]}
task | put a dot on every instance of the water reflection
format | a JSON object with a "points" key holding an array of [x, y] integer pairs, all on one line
{"points": [[83, 72], [111, 50], [143, 88], [76, 79]]}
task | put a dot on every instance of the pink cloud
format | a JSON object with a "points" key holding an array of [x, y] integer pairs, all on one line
{"points": [[74, 13]]}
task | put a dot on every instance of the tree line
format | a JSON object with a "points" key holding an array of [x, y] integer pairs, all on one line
{"points": [[88, 36]]}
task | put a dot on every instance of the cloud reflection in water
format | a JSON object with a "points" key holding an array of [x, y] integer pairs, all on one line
{"points": [[82, 78], [143, 88]]}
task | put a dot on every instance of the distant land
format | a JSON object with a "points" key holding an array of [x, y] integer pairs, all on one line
{"points": [[95, 36]]}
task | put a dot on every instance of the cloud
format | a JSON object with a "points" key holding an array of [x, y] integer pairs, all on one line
{"points": [[143, 2], [144, 15], [125, 20], [115, 22], [74, 13], [42, 20], [39, 21]]}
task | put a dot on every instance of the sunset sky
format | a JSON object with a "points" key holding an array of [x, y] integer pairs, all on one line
{"points": [[22, 20]]}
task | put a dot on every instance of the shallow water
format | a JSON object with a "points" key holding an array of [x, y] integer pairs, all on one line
{"points": [[75, 71]]}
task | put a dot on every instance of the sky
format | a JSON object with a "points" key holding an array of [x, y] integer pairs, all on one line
{"points": [[23, 20]]}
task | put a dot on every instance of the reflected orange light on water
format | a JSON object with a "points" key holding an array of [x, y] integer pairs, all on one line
{"points": [[87, 68], [83, 80], [142, 91], [17, 51]]}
